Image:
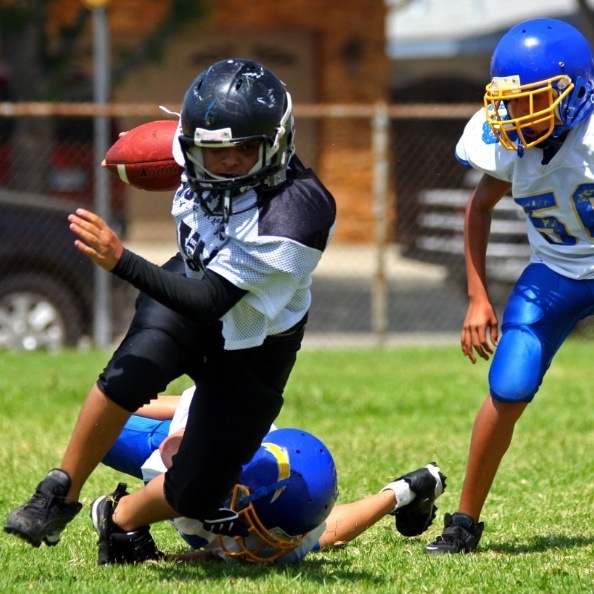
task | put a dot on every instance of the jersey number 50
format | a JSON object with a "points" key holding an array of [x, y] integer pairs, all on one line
{"points": [[553, 229]]}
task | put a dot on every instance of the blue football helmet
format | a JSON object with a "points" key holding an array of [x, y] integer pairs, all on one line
{"points": [[539, 58], [287, 489], [233, 102]]}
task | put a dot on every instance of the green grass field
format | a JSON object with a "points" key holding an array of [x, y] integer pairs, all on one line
{"points": [[382, 413]]}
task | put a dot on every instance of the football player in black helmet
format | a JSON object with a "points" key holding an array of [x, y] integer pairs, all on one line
{"points": [[229, 310]]}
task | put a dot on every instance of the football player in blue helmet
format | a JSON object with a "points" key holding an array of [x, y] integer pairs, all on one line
{"points": [[535, 139], [284, 497], [542, 83]]}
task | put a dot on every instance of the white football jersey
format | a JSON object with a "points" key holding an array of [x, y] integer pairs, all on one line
{"points": [[558, 198], [265, 250]]}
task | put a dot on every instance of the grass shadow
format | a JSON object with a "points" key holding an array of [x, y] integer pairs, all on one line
{"points": [[540, 544], [316, 570]]}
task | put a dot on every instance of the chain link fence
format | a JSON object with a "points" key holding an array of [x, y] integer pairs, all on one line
{"points": [[405, 285]]}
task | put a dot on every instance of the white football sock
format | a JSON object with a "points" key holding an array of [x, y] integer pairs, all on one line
{"points": [[402, 492]]}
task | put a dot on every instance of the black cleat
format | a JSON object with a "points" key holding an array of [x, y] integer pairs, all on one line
{"points": [[461, 534], [46, 514], [428, 484], [115, 545]]}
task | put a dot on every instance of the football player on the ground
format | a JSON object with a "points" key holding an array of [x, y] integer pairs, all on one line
{"points": [[291, 481], [229, 310], [537, 140]]}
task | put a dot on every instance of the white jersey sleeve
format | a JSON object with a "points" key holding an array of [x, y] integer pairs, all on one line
{"points": [[479, 148], [180, 416], [154, 466], [309, 542]]}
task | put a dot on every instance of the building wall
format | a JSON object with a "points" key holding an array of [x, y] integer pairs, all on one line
{"points": [[352, 67], [338, 53]]}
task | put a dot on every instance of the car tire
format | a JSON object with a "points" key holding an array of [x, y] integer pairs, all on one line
{"points": [[38, 312]]}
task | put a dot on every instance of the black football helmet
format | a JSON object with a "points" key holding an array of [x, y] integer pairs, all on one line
{"points": [[233, 102]]}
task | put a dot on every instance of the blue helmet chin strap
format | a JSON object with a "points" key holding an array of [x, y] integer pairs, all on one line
{"points": [[520, 148]]}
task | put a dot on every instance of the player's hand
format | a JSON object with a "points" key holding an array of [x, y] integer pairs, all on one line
{"points": [[96, 239], [480, 331], [226, 522]]}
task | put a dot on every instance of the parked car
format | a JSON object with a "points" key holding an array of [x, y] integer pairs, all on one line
{"points": [[67, 154], [440, 237], [46, 284]]}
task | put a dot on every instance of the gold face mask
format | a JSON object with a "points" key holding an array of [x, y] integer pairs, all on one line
{"points": [[515, 133], [262, 545]]}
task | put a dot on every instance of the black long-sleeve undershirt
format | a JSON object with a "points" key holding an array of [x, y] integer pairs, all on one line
{"points": [[204, 300]]}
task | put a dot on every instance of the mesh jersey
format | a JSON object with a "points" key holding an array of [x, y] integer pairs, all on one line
{"points": [[192, 529], [558, 198], [269, 248]]}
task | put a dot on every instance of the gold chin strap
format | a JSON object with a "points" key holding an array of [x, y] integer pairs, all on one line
{"points": [[262, 545], [510, 131]]}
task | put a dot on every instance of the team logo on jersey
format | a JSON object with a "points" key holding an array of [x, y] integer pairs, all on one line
{"points": [[488, 136], [281, 456]]}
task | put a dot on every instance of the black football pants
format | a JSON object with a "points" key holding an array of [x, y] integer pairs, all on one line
{"points": [[239, 395]]}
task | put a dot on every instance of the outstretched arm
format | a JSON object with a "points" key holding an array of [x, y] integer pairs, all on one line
{"points": [[204, 301], [348, 520], [345, 522], [161, 409]]}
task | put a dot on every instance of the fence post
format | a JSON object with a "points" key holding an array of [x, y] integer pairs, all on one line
{"points": [[102, 322], [380, 140]]}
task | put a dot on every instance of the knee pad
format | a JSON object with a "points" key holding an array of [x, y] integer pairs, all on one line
{"points": [[142, 367], [518, 366]]}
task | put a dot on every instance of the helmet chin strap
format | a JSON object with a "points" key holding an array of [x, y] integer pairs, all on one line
{"points": [[226, 206], [520, 148]]}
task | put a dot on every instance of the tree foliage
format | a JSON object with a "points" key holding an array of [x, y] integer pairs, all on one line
{"points": [[45, 64], [45, 67]]}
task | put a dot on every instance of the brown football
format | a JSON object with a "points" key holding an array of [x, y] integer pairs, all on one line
{"points": [[143, 157]]}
